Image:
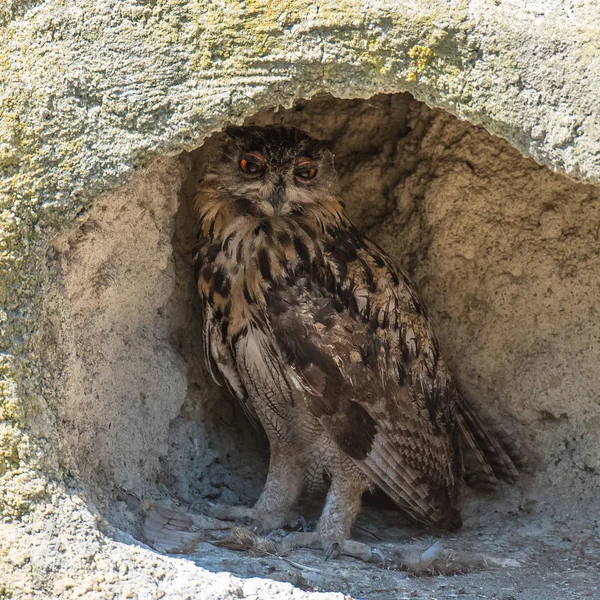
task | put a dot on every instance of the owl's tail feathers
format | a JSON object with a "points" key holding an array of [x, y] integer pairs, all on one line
{"points": [[488, 452]]}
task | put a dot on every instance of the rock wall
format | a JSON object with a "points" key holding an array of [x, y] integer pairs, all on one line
{"points": [[104, 403]]}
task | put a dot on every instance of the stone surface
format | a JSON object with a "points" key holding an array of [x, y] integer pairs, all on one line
{"points": [[95, 300]]}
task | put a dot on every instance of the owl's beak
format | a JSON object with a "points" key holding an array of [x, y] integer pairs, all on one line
{"points": [[277, 198]]}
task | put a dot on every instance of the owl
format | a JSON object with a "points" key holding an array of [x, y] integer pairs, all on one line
{"points": [[328, 347]]}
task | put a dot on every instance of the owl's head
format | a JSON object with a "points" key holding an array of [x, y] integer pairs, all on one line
{"points": [[273, 170]]}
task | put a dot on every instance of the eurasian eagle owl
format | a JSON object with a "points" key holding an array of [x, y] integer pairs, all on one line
{"points": [[326, 344]]}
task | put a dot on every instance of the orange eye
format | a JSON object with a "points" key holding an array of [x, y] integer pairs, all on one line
{"points": [[251, 166], [306, 174]]}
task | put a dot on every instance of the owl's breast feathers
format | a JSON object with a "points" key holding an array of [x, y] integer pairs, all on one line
{"points": [[305, 303]]}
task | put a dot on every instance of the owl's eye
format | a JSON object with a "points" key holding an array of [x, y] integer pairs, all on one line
{"points": [[306, 174], [251, 166]]}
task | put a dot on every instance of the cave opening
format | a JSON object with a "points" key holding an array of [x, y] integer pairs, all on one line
{"points": [[497, 246]]}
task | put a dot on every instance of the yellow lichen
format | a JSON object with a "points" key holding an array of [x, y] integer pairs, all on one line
{"points": [[10, 439], [420, 57]]}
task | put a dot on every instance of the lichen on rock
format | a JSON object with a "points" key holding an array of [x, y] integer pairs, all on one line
{"points": [[95, 309]]}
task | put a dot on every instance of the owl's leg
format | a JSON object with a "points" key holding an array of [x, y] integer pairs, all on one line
{"points": [[333, 529], [284, 484], [341, 509], [273, 509]]}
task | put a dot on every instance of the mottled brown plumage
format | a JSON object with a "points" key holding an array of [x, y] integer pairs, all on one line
{"points": [[326, 344]]}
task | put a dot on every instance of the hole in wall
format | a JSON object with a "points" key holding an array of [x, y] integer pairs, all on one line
{"points": [[503, 251]]}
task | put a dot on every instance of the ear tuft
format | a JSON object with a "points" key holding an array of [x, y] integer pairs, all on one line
{"points": [[235, 132]]}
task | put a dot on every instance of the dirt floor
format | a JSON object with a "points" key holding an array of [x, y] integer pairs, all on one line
{"points": [[506, 255]]}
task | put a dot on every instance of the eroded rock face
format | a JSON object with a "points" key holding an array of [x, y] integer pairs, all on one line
{"points": [[495, 243], [104, 397]]}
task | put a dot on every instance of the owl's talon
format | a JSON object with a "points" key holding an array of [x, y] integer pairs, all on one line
{"points": [[333, 551], [377, 556], [303, 524], [247, 521], [276, 536], [300, 524]]}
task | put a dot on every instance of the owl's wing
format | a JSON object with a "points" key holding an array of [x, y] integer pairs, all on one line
{"points": [[356, 337], [221, 364], [355, 379]]}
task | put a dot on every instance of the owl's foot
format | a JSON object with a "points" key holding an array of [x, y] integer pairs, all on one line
{"points": [[273, 509], [332, 548], [333, 529]]}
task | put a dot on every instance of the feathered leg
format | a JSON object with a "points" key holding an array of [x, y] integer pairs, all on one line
{"points": [[333, 529], [341, 508], [274, 507]]}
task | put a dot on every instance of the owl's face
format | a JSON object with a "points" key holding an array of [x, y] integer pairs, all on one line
{"points": [[271, 171]]}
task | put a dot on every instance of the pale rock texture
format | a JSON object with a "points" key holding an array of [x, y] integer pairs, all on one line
{"points": [[104, 402]]}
